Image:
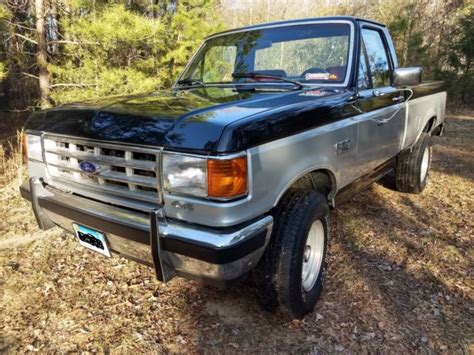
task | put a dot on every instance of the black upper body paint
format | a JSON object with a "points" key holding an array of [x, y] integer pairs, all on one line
{"points": [[201, 120], [212, 120]]}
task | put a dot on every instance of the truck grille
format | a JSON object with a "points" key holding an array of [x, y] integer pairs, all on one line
{"points": [[131, 172]]}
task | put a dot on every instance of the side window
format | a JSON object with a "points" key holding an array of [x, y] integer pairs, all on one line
{"points": [[378, 60], [363, 80]]}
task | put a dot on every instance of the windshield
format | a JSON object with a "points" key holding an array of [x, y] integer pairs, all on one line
{"points": [[310, 54]]}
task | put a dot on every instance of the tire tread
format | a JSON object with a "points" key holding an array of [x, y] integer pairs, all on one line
{"points": [[407, 171], [277, 284]]}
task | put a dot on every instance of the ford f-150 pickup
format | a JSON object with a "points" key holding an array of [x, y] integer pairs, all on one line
{"points": [[237, 166]]}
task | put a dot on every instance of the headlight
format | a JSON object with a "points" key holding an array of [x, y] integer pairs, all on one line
{"points": [[185, 174], [32, 147], [205, 177]]}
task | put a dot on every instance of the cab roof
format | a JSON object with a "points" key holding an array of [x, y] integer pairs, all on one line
{"points": [[295, 22]]}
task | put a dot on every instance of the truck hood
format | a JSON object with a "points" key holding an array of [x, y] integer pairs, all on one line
{"points": [[186, 120]]}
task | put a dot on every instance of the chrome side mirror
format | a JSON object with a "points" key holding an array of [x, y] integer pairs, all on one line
{"points": [[406, 77]]}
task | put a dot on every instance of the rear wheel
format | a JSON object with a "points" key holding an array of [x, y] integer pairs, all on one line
{"points": [[291, 274], [412, 170]]}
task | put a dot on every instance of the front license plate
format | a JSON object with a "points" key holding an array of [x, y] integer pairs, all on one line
{"points": [[91, 239]]}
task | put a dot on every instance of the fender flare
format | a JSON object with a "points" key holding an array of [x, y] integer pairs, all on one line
{"points": [[323, 169]]}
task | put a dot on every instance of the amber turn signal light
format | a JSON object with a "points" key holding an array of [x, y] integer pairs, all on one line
{"points": [[227, 178]]}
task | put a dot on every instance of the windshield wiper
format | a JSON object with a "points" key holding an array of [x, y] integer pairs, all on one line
{"points": [[190, 81], [256, 75]]}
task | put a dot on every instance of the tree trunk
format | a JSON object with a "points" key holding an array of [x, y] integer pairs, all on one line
{"points": [[465, 83], [42, 54]]}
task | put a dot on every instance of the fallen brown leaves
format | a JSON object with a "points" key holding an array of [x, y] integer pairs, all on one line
{"points": [[400, 280]]}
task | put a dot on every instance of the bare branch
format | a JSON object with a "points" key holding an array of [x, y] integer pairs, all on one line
{"points": [[30, 75], [70, 85], [20, 26], [70, 42], [28, 109], [26, 38]]}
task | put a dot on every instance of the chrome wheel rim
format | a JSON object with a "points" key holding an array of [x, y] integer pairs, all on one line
{"points": [[313, 255], [425, 163]]}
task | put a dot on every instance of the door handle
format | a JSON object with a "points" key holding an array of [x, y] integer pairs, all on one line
{"points": [[352, 99], [378, 93], [400, 98]]}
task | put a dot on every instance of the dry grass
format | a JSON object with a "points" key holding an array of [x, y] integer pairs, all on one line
{"points": [[400, 280], [11, 162]]}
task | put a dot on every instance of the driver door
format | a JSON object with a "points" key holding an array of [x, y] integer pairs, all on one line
{"points": [[382, 107]]}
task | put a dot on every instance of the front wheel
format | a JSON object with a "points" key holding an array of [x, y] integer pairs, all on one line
{"points": [[291, 274]]}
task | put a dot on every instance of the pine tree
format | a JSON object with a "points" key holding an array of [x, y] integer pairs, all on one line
{"points": [[118, 49], [188, 23]]}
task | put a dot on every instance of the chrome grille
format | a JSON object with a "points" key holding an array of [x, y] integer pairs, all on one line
{"points": [[131, 172]]}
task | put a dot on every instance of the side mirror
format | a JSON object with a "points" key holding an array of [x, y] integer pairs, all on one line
{"points": [[406, 77], [263, 43]]}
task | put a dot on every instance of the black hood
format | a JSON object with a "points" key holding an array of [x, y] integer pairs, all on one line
{"points": [[187, 120]]}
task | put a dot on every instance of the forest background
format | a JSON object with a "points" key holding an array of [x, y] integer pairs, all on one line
{"points": [[58, 51]]}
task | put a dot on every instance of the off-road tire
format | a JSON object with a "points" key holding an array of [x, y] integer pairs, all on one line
{"points": [[408, 171], [279, 273]]}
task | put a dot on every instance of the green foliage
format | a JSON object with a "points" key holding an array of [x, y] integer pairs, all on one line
{"points": [[113, 47], [114, 50], [3, 70], [462, 48], [190, 23], [4, 15], [438, 37], [461, 54], [408, 37]]}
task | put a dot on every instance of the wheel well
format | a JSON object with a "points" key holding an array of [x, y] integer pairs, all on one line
{"points": [[322, 181], [430, 125]]}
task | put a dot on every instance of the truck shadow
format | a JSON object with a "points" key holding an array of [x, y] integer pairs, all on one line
{"points": [[453, 153], [411, 281], [388, 288]]}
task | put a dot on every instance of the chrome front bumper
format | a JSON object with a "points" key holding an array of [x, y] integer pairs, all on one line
{"points": [[173, 248]]}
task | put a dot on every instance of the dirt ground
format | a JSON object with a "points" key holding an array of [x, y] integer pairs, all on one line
{"points": [[400, 280]]}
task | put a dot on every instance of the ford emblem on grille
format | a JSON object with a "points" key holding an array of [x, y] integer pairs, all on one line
{"points": [[88, 167]]}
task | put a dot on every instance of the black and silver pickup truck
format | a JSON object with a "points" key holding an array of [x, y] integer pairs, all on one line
{"points": [[237, 166]]}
